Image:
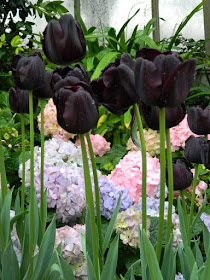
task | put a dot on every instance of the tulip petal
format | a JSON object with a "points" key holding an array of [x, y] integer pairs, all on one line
{"points": [[148, 53], [199, 120]]}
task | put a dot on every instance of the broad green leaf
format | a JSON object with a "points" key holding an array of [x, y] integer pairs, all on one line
{"points": [[66, 269], [199, 257], [131, 268], [128, 117], [168, 267], [194, 274], [55, 272], [206, 238], [110, 265], [90, 61], [108, 58], [16, 41], [207, 263], [90, 269], [25, 249], [5, 117], [10, 267], [147, 40], [88, 235], [142, 256], [182, 224]]}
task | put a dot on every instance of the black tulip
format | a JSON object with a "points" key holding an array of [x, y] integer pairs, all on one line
{"points": [[116, 89], [193, 149], [46, 90], [19, 101], [76, 108], [182, 175], [199, 120], [28, 73], [64, 41], [173, 116], [205, 154]]}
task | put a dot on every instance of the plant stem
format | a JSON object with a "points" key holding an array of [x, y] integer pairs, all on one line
{"points": [[90, 203], [144, 168], [97, 197], [206, 136], [31, 206], [162, 182], [42, 208], [192, 200], [184, 208], [170, 185], [3, 172]]}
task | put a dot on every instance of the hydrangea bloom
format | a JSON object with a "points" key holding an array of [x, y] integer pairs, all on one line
{"points": [[206, 219], [70, 238], [57, 152], [152, 141], [179, 276], [99, 143], [15, 240], [51, 126], [202, 186], [128, 174]]}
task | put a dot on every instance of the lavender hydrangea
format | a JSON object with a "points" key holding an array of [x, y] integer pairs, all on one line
{"points": [[206, 219]]}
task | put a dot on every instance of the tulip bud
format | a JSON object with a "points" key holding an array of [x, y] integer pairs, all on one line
{"points": [[28, 73], [19, 101], [182, 175], [193, 149], [76, 108], [199, 120], [64, 41], [46, 90], [205, 154]]}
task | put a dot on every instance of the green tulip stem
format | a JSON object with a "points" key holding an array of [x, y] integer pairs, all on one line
{"points": [[193, 200], [90, 203], [42, 208], [170, 185], [162, 182], [184, 208], [3, 172], [31, 206], [144, 168], [97, 196], [206, 136]]}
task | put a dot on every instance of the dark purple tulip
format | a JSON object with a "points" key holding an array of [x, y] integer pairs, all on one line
{"points": [[116, 89], [19, 101], [199, 120], [28, 73], [205, 154], [165, 81], [76, 108], [150, 54], [173, 115], [193, 149], [64, 41], [182, 175], [46, 90]]}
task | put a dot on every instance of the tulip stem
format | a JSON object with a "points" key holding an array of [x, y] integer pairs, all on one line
{"points": [[97, 196], [42, 206], [144, 168], [162, 182], [206, 136], [23, 171], [3, 172], [184, 208], [170, 185], [31, 206], [193, 200], [90, 203]]}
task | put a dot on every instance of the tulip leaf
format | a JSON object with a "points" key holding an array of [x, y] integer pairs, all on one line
{"points": [[168, 267], [128, 117], [10, 267], [107, 58], [5, 117], [198, 94], [194, 274]]}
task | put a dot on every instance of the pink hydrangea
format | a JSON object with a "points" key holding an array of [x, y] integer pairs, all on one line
{"points": [[51, 126], [202, 186], [99, 143], [128, 174]]}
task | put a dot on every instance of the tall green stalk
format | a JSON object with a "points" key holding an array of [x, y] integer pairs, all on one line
{"points": [[193, 200], [3, 173], [97, 196], [170, 185], [184, 208], [31, 206], [90, 203], [144, 168], [42, 208], [162, 182], [23, 162]]}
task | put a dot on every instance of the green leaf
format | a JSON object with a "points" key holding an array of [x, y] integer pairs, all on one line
{"points": [[108, 58], [142, 256], [198, 254], [66, 269], [5, 117], [207, 264], [151, 43], [194, 274], [16, 41], [90, 61], [110, 265], [45, 251], [128, 117], [182, 224], [168, 267], [206, 238], [111, 227], [10, 267], [25, 249], [90, 269], [131, 268]]}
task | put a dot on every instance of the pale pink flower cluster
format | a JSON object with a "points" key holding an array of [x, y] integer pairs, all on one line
{"points": [[51, 126], [202, 186], [72, 252], [99, 143], [152, 141], [128, 174]]}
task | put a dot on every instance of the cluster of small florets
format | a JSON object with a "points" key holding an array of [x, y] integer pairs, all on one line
{"points": [[128, 174], [206, 219], [51, 126]]}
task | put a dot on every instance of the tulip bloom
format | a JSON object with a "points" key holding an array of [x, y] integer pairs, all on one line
{"points": [[28, 73], [165, 80], [116, 89], [19, 101], [193, 149], [64, 41], [182, 175], [76, 108], [199, 120], [46, 90], [205, 154], [173, 116]]}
